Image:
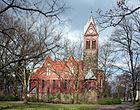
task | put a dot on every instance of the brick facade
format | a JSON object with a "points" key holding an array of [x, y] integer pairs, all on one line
{"points": [[68, 76]]}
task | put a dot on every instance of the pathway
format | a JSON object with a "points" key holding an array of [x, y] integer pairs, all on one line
{"points": [[124, 106]]}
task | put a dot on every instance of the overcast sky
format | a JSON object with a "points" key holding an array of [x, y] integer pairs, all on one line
{"points": [[80, 11]]}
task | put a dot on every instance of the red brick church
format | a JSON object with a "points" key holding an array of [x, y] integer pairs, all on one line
{"points": [[72, 75]]}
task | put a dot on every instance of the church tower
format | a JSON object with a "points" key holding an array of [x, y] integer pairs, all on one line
{"points": [[90, 46]]}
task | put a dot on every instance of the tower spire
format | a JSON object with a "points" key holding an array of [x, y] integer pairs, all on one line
{"points": [[90, 21], [90, 46]]}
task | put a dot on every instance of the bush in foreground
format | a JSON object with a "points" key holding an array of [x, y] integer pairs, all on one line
{"points": [[8, 98], [108, 101]]}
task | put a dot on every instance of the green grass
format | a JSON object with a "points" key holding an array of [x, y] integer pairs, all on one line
{"points": [[138, 106], [44, 106], [108, 101]]}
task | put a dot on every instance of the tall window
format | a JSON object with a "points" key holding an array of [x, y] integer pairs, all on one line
{"points": [[48, 71], [59, 84], [65, 84], [93, 44], [71, 69], [87, 44], [54, 84], [43, 84], [101, 82]]}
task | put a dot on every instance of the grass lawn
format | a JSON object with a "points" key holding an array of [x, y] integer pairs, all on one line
{"points": [[138, 105], [44, 106]]}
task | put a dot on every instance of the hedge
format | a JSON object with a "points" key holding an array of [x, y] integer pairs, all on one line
{"points": [[8, 98], [109, 101]]}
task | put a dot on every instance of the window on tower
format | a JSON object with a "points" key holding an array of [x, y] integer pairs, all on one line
{"points": [[93, 44], [87, 44]]}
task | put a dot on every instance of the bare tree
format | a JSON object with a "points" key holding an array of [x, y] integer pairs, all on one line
{"points": [[72, 55], [115, 15], [74, 68], [125, 38], [123, 86], [52, 8], [7, 45], [23, 45], [107, 58], [69, 48]]}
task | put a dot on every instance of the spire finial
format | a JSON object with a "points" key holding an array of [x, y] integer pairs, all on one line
{"points": [[91, 12]]}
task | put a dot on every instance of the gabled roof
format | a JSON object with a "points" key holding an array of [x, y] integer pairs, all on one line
{"points": [[90, 20], [57, 66], [71, 58], [90, 75]]}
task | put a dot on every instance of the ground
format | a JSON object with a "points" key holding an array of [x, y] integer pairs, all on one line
{"points": [[123, 106], [45, 106]]}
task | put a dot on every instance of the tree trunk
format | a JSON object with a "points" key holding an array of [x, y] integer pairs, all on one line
{"points": [[4, 86], [119, 92], [24, 93], [77, 91], [134, 88], [73, 98], [124, 94], [24, 87], [38, 91], [134, 95]]}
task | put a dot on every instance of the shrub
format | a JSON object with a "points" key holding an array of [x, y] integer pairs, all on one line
{"points": [[54, 98], [8, 98], [108, 101], [32, 99], [116, 101]]}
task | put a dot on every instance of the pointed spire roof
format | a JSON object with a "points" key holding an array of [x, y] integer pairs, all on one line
{"points": [[90, 20], [90, 75]]}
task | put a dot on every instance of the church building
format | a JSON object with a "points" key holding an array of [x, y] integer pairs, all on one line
{"points": [[72, 76]]}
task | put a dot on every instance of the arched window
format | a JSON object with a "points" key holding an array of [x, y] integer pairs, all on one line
{"points": [[87, 44], [93, 44]]}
